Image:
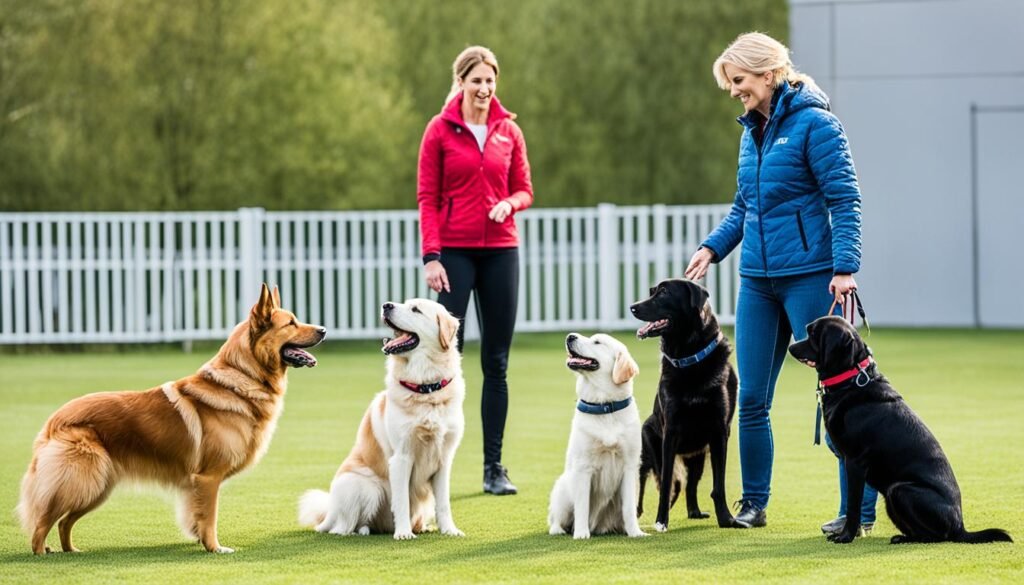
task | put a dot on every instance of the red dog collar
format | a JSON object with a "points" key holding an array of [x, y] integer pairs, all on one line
{"points": [[425, 388], [834, 380]]}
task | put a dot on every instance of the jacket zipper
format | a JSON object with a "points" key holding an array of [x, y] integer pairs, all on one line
{"points": [[803, 235]]}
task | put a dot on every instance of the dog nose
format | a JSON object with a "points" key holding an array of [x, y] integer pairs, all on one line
{"points": [[387, 307], [322, 331], [570, 338], [632, 309]]}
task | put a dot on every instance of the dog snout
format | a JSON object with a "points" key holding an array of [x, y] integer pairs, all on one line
{"points": [[633, 308], [571, 338], [322, 332], [387, 307]]}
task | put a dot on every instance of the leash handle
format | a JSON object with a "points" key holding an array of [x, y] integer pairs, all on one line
{"points": [[856, 307]]}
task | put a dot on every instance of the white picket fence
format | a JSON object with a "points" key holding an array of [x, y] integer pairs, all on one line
{"points": [[159, 277]]}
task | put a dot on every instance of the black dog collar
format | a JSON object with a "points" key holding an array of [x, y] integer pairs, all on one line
{"points": [[603, 407], [425, 388], [697, 357]]}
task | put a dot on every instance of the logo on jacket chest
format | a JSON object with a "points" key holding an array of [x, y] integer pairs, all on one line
{"points": [[782, 140]]}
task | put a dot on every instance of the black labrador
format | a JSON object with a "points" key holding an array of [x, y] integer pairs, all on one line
{"points": [[696, 398], [883, 442]]}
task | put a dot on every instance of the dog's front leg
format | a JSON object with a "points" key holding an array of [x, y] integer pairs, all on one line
{"points": [[627, 491], [718, 448], [204, 492], [400, 474], [441, 483], [854, 499], [580, 494], [668, 462]]}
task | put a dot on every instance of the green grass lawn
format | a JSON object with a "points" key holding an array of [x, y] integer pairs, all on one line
{"points": [[968, 386]]}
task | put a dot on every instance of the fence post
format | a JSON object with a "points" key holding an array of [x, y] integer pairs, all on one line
{"points": [[608, 265], [250, 244]]}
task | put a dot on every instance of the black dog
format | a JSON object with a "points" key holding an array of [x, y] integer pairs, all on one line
{"points": [[883, 442], [696, 398]]}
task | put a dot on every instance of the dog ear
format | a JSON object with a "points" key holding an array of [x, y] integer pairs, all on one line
{"points": [[263, 309], [698, 296], [447, 329], [624, 369], [277, 297]]}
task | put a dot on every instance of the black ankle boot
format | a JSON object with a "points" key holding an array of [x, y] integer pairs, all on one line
{"points": [[750, 516], [496, 480]]}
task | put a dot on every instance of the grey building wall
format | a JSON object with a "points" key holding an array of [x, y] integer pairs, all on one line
{"points": [[931, 93]]}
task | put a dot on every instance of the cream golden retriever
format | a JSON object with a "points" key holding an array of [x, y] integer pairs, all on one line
{"points": [[189, 435], [597, 493], [398, 474]]}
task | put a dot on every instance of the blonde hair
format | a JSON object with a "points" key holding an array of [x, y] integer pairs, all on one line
{"points": [[759, 53], [469, 58]]}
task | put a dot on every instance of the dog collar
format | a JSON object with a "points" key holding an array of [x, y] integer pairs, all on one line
{"points": [[603, 407], [425, 388], [695, 358], [840, 378]]}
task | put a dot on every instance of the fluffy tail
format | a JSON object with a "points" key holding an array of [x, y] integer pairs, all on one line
{"points": [[69, 472], [987, 535], [313, 507]]}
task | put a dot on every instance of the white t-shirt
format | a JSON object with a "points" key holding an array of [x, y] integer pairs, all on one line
{"points": [[480, 131]]}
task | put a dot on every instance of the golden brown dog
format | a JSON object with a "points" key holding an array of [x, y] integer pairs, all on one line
{"points": [[189, 435]]}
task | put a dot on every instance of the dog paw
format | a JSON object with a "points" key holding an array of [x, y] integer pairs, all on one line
{"points": [[556, 530], [841, 538], [364, 531], [223, 550], [404, 535], [698, 515], [637, 534], [581, 536], [899, 539], [452, 531], [660, 527]]}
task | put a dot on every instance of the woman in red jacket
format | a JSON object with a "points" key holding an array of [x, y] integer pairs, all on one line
{"points": [[473, 178]]}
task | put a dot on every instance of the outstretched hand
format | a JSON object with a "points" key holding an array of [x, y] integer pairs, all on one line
{"points": [[699, 264]]}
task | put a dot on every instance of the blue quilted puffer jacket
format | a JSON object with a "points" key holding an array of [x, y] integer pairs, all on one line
{"points": [[797, 206]]}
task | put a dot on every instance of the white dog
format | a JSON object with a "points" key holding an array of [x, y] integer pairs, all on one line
{"points": [[598, 490], [400, 466]]}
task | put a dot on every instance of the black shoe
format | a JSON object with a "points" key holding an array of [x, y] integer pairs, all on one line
{"points": [[750, 516], [496, 480]]}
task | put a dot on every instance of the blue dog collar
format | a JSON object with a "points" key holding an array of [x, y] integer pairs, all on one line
{"points": [[604, 407], [697, 357]]}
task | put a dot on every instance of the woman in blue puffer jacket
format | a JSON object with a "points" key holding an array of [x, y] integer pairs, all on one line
{"points": [[797, 212]]}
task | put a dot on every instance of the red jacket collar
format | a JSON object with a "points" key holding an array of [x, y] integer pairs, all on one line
{"points": [[840, 378], [452, 112]]}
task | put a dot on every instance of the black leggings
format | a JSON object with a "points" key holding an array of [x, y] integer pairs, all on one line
{"points": [[494, 274]]}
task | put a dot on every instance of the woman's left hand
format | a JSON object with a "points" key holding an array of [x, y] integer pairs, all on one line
{"points": [[841, 285], [500, 211]]}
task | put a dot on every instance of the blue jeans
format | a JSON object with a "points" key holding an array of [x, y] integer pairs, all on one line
{"points": [[768, 311]]}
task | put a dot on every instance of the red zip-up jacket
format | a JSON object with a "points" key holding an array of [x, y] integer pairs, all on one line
{"points": [[458, 184]]}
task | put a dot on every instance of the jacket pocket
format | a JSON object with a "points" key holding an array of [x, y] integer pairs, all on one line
{"points": [[803, 235]]}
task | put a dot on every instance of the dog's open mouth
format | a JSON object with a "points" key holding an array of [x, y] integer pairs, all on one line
{"points": [[577, 362], [295, 356], [652, 329], [402, 342]]}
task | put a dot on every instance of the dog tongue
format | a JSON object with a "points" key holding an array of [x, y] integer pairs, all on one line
{"points": [[401, 339], [300, 357]]}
